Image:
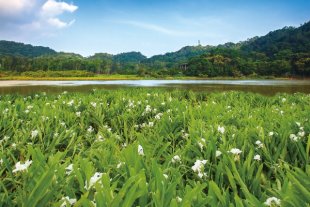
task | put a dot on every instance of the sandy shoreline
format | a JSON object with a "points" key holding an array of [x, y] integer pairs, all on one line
{"points": [[10, 83]]}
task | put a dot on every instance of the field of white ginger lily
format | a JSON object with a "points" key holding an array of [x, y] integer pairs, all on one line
{"points": [[151, 147]]}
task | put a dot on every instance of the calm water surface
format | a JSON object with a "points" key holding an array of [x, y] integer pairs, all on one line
{"points": [[265, 87]]}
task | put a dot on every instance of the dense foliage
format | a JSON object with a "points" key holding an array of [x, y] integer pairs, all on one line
{"points": [[284, 52], [21, 49], [154, 148]]}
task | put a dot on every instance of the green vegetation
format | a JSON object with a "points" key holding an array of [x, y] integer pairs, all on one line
{"points": [[282, 53], [21, 49], [146, 147]]}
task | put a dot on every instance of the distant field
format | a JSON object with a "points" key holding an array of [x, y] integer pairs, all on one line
{"points": [[150, 147]]}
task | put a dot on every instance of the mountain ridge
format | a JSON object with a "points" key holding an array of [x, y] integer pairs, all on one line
{"points": [[250, 44]]}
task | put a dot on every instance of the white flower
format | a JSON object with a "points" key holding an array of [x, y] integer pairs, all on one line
{"points": [[45, 118], [148, 109], [283, 99], [176, 158], [221, 129], [259, 144], [235, 151], [140, 150], [165, 175], [69, 169], [90, 129], [257, 157], [99, 139], [68, 200], [298, 123], [78, 113], [151, 124], [94, 179], [218, 153], [201, 143], [198, 167], [272, 200], [185, 135], [26, 111], [29, 107], [22, 167], [34, 133], [270, 134], [120, 164], [70, 103], [1, 161], [158, 116], [93, 104], [294, 138], [179, 200], [301, 134]]}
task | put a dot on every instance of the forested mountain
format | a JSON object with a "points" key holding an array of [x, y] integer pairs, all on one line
{"points": [[284, 52], [181, 55], [289, 39], [127, 57], [21, 49]]}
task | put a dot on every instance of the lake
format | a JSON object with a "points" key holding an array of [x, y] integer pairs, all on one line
{"points": [[265, 87]]}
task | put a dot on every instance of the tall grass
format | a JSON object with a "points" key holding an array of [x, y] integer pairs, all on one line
{"points": [[85, 147]]}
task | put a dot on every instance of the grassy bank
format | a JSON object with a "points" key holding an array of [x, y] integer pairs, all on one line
{"points": [[143, 147], [86, 75]]}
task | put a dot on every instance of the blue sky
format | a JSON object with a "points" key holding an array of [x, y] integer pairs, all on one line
{"points": [[149, 26]]}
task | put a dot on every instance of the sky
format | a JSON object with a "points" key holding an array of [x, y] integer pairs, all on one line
{"points": [[148, 26]]}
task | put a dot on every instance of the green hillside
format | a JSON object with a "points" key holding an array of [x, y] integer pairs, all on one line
{"points": [[21, 49]]}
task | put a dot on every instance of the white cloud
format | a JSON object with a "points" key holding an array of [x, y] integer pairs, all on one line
{"points": [[58, 23], [13, 7], [34, 18], [51, 9], [54, 8]]}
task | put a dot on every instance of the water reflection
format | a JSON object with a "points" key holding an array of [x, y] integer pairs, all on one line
{"points": [[265, 87]]}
